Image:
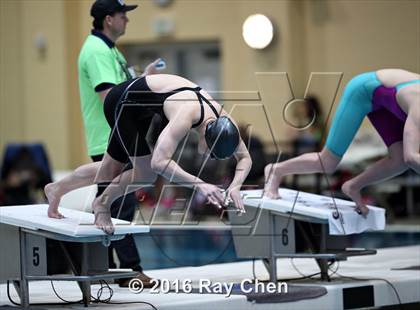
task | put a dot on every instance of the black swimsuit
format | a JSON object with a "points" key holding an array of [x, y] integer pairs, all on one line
{"points": [[135, 114]]}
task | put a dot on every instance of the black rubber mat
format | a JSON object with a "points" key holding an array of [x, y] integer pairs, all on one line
{"points": [[407, 268], [16, 307], [294, 293]]}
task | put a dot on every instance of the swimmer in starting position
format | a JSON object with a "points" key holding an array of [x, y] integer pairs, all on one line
{"points": [[390, 98], [131, 108]]}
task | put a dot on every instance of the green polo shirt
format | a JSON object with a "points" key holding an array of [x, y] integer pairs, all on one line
{"points": [[99, 62]]}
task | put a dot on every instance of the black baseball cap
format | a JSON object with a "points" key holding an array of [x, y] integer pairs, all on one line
{"points": [[102, 8]]}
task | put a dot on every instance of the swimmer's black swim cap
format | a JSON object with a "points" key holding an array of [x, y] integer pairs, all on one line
{"points": [[222, 137]]}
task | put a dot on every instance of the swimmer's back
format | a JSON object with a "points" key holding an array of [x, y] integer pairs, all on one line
{"points": [[394, 77], [163, 83]]}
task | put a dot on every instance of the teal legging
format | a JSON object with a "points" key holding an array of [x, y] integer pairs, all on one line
{"points": [[355, 104]]}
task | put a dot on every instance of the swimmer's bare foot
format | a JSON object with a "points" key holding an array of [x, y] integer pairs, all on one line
{"points": [[272, 182], [362, 210], [53, 195], [103, 218], [354, 193]]}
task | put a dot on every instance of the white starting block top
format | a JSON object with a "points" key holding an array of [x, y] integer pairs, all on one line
{"points": [[319, 207], [75, 224]]}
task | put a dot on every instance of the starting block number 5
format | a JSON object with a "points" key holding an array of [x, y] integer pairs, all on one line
{"points": [[36, 255]]}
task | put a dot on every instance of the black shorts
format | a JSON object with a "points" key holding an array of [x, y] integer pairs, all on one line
{"points": [[135, 120]]}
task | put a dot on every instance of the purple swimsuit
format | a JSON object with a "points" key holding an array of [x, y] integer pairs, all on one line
{"points": [[363, 96], [387, 117]]}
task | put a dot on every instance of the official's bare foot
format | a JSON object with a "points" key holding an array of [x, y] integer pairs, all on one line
{"points": [[53, 195], [103, 218], [272, 182], [354, 193]]}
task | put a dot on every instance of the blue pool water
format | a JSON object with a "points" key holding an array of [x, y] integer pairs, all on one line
{"points": [[168, 248]]}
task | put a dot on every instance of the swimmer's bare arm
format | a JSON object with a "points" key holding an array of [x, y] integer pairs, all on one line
{"points": [[163, 164], [243, 166]]}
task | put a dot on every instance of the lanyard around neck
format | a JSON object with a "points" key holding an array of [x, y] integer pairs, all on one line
{"points": [[122, 64]]}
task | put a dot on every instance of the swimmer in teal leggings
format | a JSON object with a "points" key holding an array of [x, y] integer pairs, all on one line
{"points": [[390, 98]]}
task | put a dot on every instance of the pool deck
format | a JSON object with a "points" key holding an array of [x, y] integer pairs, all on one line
{"points": [[376, 267]]}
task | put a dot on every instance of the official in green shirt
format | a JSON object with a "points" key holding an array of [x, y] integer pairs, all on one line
{"points": [[101, 66]]}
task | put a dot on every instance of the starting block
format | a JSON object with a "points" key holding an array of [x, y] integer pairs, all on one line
{"points": [[24, 231], [300, 225]]}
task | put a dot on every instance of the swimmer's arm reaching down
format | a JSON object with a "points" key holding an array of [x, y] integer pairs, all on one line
{"points": [[243, 166], [163, 164]]}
